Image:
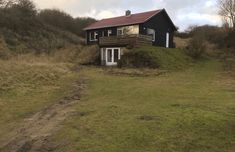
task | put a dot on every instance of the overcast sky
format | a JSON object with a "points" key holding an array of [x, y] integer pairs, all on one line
{"points": [[183, 12]]}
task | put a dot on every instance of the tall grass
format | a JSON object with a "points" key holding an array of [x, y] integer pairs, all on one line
{"points": [[27, 72], [4, 51]]}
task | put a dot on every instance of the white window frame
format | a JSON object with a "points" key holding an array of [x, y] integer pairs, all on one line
{"points": [[120, 29], [153, 34], [130, 27], [167, 40], [112, 58], [95, 36], [109, 32], [102, 33]]}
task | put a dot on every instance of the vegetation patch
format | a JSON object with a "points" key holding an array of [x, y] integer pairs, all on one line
{"points": [[144, 72], [149, 118], [25, 29], [28, 75], [155, 57], [29, 84], [196, 47], [4, 51], [89, 55]]}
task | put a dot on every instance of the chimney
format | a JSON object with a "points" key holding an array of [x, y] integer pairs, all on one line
{"points": [[128, 13]]}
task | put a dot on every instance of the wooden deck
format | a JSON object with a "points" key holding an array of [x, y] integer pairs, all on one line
{"points": [[124, 40]]}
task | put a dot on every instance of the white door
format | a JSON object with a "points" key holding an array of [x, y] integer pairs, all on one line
{"points": [[167, 39], [112, 56]]}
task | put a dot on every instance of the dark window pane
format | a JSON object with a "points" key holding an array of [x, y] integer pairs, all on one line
{"points": [[92, 34], [109, 53], [116, 53]]}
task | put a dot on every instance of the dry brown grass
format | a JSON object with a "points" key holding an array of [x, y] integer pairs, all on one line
{"points": [[135, 72], [4, 51], [210, 48], [29, 83], [181, 43], [28, 71], [89, 55]]}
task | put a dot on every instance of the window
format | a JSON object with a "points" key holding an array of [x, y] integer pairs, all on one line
{"points": [[128, 30], [152, 33], [93, 36], [109, 32], [154, 36], [120, 31]]}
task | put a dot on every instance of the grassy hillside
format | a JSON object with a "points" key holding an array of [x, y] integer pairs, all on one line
{"points": [[25, 29], [4, 51], [29, 84], [156, 57], [43, 39], [177, 112]]}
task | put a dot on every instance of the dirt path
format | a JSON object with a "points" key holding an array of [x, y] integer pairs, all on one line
{"points": [[35, 131]]}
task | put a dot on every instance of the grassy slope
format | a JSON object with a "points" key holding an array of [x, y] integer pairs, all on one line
{"points": [[177, 112], [30, 84], [170, 59]]}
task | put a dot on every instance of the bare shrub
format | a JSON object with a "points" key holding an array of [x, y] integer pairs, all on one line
{"points": [[227, 11], [196, 47]]}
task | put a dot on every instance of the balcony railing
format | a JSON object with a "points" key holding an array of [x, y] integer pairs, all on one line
{"points": [[134, 40]]}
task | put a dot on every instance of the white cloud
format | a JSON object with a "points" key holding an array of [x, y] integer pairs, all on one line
{"points": [[182, 12]]}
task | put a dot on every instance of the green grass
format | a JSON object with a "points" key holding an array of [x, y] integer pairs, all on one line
{"points": [[157, 57], [29, 84], [192, 110]]}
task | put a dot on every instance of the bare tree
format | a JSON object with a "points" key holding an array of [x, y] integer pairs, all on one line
{"points": [[7, 3], [227, 11], [2, 2]]}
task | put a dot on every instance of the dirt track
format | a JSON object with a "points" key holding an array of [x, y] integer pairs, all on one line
{"points": [[34, 132]]}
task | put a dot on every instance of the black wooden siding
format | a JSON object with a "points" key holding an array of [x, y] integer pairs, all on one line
{"points": [[161, 23], [113, 29]]}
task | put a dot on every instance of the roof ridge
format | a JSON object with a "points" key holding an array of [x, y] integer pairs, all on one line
{"points": [[132, 14], [136, 18]]}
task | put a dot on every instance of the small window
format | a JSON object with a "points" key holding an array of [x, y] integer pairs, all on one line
{"points": [[109, 32], [151, 32], [120, 31], [93, 36], [154, 36]]}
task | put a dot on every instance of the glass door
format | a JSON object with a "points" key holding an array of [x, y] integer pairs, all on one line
{"points": [[116, 55], [109, 55], [112, 56]]}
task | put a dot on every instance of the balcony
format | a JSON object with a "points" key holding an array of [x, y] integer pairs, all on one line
{"points": [[123, 40]]}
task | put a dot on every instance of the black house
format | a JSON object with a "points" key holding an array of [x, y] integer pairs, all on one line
{"points": [[114, 34]]}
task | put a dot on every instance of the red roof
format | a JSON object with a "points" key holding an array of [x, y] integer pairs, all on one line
{"points": [[123, 20]]}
